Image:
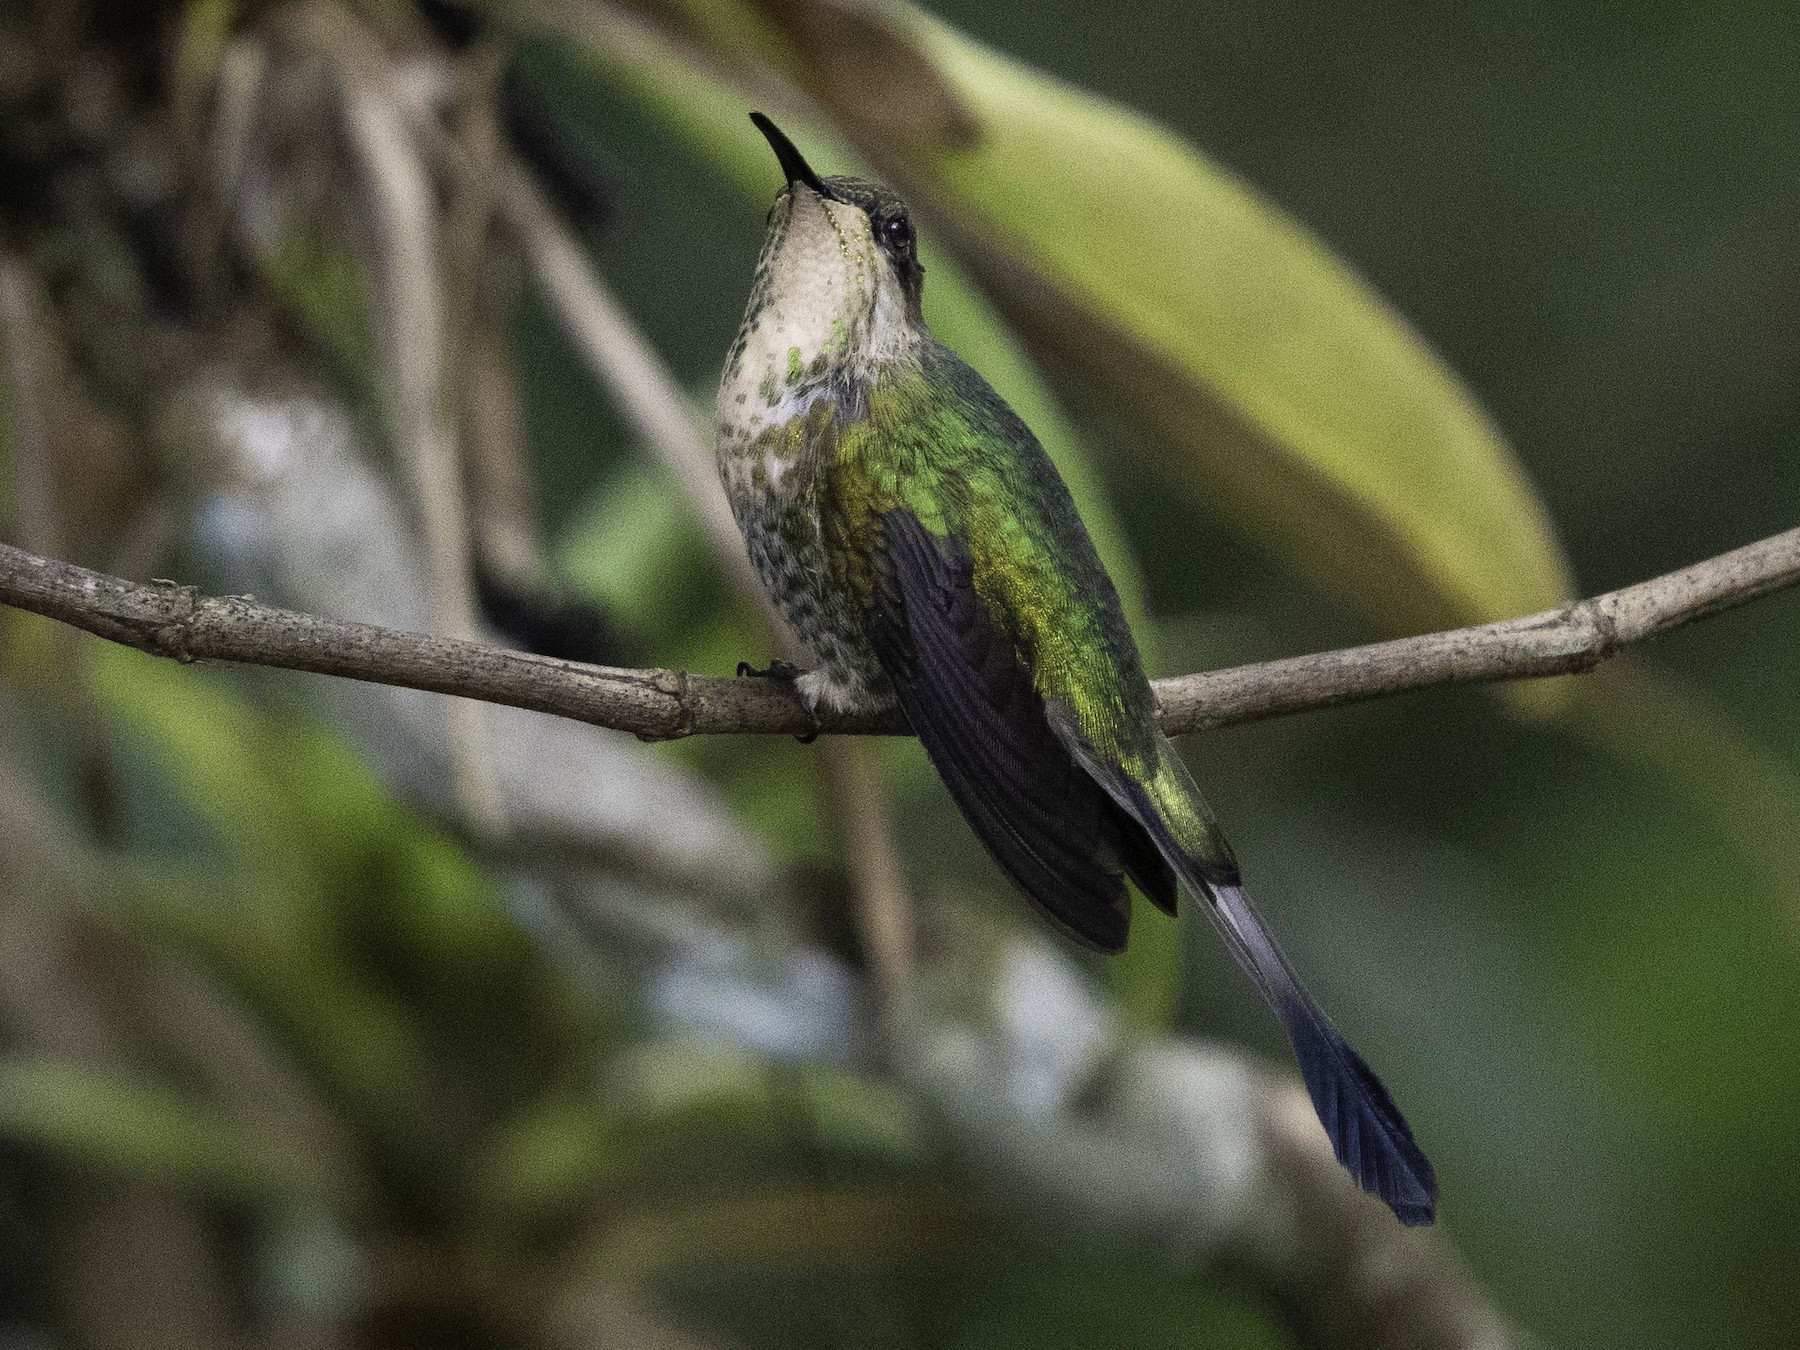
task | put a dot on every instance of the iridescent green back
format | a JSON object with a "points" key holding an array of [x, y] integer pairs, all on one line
{"points": [[939, 443]]}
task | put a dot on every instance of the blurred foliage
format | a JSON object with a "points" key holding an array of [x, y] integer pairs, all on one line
{"points": [[286, 1051]]}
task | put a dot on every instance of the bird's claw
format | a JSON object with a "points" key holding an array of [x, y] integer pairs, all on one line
{"points": [[787, 672]]}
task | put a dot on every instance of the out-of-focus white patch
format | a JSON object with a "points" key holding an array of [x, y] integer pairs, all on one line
{"points": [[804, 1005], [1050, 1030], [306, 522], [260, 437], [1148, 1139]]}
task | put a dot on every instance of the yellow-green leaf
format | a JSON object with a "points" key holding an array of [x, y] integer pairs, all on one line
{"points": [[1284, 388], [137, 1127]]}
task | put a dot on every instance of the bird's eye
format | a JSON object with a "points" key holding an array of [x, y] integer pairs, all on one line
{"points": [[897, 233]]}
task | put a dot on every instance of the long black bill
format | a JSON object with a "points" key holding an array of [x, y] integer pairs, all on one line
{"points": [[793, 163]]}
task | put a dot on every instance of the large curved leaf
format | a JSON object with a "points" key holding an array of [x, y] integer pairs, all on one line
{"points": [[1285, 388]]}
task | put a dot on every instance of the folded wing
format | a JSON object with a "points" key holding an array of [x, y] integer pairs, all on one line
{"points": [[1063, 841]]}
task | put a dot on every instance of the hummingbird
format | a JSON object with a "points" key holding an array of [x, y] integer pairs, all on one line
{"points": [[920, 542]]}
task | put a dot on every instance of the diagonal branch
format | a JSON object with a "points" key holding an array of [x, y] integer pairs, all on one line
{"points": [[179, 622]]}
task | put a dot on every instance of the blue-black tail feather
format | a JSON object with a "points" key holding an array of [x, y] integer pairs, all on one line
{"points": [[1368, 1134]]}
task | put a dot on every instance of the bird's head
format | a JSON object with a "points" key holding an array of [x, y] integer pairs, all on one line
{"points": [[839, 280]]}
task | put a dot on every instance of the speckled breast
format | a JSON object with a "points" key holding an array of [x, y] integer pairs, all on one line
{"points": [[771, 472]]}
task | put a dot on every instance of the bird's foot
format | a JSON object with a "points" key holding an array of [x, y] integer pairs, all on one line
{"points": [[785, 671], [789, 674]]}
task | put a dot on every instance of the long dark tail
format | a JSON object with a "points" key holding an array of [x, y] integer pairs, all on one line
{"points": [[1369, 1135], [1367, 1132]]}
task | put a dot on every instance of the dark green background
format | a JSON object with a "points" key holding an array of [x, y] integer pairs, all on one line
{"points": [[1577, 971]]}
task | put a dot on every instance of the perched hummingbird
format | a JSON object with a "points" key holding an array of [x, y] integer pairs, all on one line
{"points": [[921, 543]]}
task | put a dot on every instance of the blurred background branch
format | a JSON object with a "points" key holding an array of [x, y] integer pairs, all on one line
{"points": [[415, 343]]}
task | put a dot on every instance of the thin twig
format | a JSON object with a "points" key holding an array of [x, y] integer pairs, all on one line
{"points": [[1573, 638], [484, 293], [179, 622], [872, 855], [633, 374], [415, 346]]}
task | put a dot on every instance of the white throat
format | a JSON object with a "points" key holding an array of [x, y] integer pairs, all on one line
{"points": [[825, 300]]}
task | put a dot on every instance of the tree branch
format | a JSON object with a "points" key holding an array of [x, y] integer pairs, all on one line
{"points": [[177, 621]]}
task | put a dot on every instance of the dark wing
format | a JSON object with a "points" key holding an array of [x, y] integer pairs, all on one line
{"points": [[959, 678]]}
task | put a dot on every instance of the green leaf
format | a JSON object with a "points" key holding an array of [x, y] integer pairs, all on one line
{"points": [[296, 801], [860, 1117], [351, 926], [630, 545], [555, 1155], [321, 282], [785, 1229], [140, 1128], [1284, 388]]}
